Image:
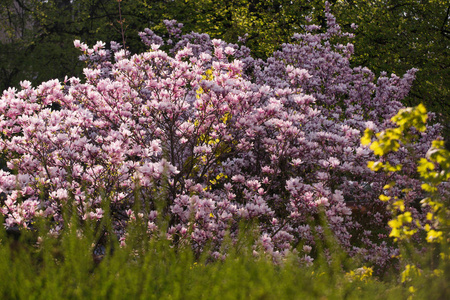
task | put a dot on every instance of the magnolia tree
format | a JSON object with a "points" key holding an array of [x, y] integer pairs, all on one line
{"points": [[199, 133]]}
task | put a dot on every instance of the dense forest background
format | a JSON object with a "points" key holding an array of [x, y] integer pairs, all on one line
{"points": [[36, 36]]}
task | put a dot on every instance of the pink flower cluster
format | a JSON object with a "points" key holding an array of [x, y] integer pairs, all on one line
{"points": [[217, 136]]}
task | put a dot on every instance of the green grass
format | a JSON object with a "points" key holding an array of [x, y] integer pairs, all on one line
{"points": [[64, 268]]}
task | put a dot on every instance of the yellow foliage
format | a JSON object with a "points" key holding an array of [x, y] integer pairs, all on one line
{"points": [[361, 274], [410, 272], [390, 141]]}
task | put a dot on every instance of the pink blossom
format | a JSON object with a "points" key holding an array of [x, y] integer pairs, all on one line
{"points": [[217, 134]]}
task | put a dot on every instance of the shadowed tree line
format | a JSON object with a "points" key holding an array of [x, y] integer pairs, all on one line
{"points": [[36, 36]]}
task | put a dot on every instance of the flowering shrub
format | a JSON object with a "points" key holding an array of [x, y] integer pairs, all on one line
{"points": [[208, 136]]}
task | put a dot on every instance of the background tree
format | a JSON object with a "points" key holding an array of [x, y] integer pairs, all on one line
{"points": [[36, 37], [397, 35]]}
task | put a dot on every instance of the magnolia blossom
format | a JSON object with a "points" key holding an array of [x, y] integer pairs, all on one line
{"points": [[211, 137]]}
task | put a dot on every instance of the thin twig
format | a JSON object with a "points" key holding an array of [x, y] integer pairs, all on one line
{"points": [[121, 24]]}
